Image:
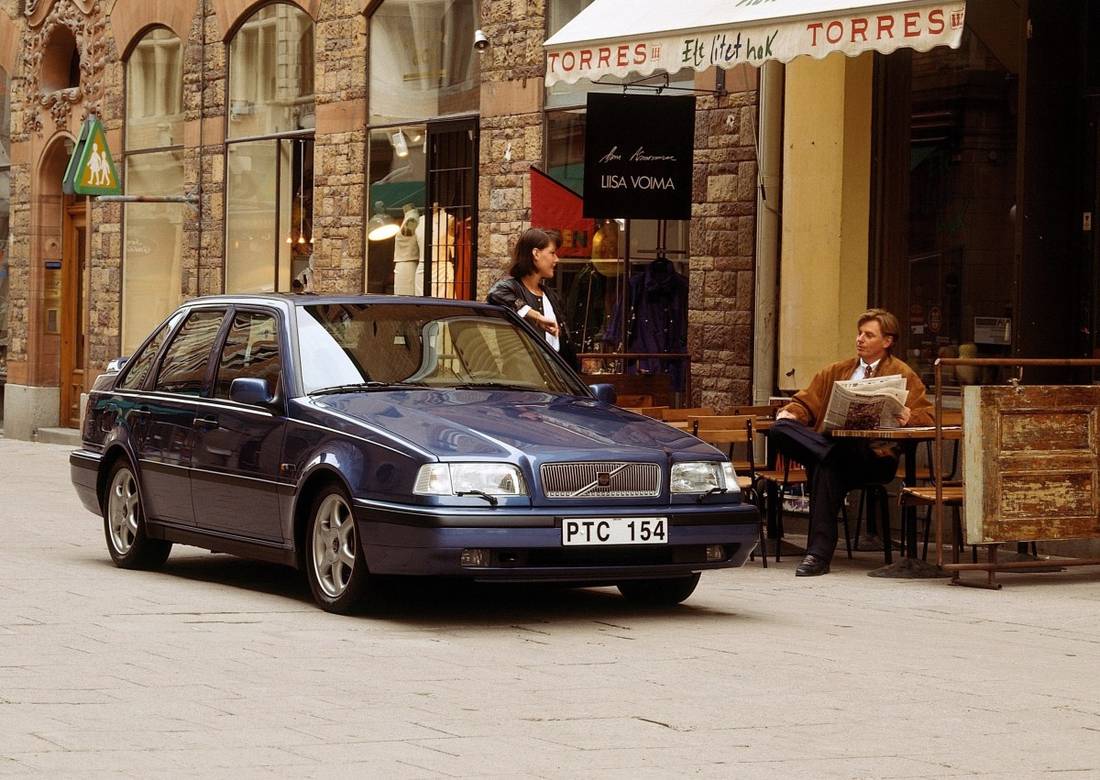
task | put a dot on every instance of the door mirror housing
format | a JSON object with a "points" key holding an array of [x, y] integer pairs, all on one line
{"points": [[604, 392], [251, 391]]}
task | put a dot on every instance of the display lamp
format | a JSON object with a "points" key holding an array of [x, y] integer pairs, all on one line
{"points": [[380, 227]]}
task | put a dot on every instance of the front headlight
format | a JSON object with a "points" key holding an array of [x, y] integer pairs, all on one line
{"points": [[697, 477], [454, 479]]}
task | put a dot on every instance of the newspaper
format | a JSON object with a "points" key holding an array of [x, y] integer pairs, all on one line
{"points": [[866, 403]]}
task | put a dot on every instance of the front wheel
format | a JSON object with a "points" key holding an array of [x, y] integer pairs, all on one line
{"points": [[335, 566], [124, 523], [663, 592]]}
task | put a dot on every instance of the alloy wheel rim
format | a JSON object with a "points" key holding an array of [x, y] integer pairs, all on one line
{"points": [[333, 546], [123, 510]]}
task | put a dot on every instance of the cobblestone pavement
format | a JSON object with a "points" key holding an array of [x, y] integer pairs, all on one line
{"points": [[222, 667]]}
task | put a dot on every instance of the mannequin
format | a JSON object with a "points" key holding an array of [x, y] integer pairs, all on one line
{"points": [[443, 239], [407, 253]]}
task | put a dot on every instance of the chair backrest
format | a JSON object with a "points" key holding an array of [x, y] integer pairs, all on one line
{"points": [[634, 400], [656, 412], [755, 411], [680, 415], [951, 416], [725, 430]]}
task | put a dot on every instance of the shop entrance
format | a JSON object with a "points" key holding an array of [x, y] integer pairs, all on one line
{"points": [[74, 312]]}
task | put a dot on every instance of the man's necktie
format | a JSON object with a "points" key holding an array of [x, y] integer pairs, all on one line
{"points": [[868, 371]]}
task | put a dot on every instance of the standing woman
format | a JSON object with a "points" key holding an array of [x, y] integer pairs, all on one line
{"points": [[525, 291]]}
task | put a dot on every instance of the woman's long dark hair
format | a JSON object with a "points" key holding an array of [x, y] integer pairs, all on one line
{"points": [[523, 258]]}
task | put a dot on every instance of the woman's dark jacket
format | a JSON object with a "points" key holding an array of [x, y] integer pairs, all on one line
{"points": [[513, 294]]}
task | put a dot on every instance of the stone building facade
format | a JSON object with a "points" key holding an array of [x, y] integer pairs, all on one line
{"points": [[69, 59]]}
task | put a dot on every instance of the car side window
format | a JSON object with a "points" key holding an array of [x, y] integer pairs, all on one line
{"points": [[251, 350], [142, 363], [183, 368]]}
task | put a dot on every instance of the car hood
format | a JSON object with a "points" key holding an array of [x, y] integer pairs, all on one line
{"points": [[500, 424]]}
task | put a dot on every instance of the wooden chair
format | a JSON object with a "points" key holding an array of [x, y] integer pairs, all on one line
{"points": [[655, 412], [726, 432], [755, 411], [634, 400], [685, 415], [925, 495]]}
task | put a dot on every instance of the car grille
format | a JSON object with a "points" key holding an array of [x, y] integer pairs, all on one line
{"points": [[601, 480]]}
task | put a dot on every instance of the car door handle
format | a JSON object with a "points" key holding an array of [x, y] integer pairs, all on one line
{"points": [[206, 422]]}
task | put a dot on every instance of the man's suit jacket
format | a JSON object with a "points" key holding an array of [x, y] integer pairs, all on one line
{"points": [[809, 405]]}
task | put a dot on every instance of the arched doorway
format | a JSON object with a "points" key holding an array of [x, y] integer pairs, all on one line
{"points": [[60, 277]]}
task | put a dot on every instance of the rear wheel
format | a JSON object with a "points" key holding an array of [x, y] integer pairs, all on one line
{"points": [[335, 565], [124, 523], [664, 592]]}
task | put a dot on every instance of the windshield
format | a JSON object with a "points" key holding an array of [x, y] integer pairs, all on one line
{"points": [[422, 345]]}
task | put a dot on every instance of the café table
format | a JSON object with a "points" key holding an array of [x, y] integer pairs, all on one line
{"points": [[909, 567]]}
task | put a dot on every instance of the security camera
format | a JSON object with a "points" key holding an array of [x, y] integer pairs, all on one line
{"points": [[481, 43]]}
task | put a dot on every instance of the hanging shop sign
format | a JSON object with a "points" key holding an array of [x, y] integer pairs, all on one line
{"points": [[619, 37], [638, 154], [91, 169]]}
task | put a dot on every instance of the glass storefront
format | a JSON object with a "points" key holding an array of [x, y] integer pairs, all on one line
{"points": [[613, 274], [422, 158], [153, 232], [269, 159], [956, 285]]}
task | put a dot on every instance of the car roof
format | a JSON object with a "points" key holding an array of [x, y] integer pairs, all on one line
{"points": [[310, 299]]}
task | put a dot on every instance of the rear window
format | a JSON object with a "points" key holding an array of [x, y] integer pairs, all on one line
{"points": [[141, 363]]}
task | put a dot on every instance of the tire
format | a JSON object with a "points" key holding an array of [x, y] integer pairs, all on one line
{"points": [[334, 561], [661, 593], [124, 523]]}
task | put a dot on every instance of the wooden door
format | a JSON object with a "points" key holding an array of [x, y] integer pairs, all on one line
{"points": [[74, 313], [1032, 463]]}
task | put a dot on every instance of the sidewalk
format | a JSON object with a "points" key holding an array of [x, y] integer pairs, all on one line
{"points": [[222, 667]]}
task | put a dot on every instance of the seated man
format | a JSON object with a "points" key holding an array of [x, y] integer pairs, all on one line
{"points": [[837, 466]]}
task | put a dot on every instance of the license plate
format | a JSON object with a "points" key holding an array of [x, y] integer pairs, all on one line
{"points": [[614, 530]]}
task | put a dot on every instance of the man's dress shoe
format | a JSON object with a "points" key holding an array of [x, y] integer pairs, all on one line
{"points": [[812, 566]]}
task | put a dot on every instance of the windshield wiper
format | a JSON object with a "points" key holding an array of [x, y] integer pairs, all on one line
{"points": [[358, 387], [500, 386]]}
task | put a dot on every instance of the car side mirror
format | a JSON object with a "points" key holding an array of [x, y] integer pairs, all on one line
{"points": [[117, 364], [604, 392], [250, 390]]}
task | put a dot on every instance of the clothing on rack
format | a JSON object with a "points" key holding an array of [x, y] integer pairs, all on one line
{"points": [[586, 307], [658, 298]]}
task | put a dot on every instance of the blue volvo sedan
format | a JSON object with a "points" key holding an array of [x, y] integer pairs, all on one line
{"points": [[368, 436]]}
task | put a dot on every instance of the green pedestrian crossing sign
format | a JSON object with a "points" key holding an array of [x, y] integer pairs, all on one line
{"points": [[91, 169]]}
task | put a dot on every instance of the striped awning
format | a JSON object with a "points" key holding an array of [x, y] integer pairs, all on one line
{"points": [[624, 37]]}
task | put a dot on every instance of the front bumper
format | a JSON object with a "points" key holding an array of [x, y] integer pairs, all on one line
{"points": [[527, 545]]}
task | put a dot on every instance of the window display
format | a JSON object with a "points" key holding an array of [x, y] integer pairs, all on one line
{"points": [[269, 235], [624, 282], [153, 232]]}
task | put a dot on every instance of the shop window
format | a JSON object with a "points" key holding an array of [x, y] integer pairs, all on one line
{"points": [[271, 73], [153, 232], [269, 159], [955, 283], [624, 281], [5, 216], [421, 229], [422, 60], [420, 235]]}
